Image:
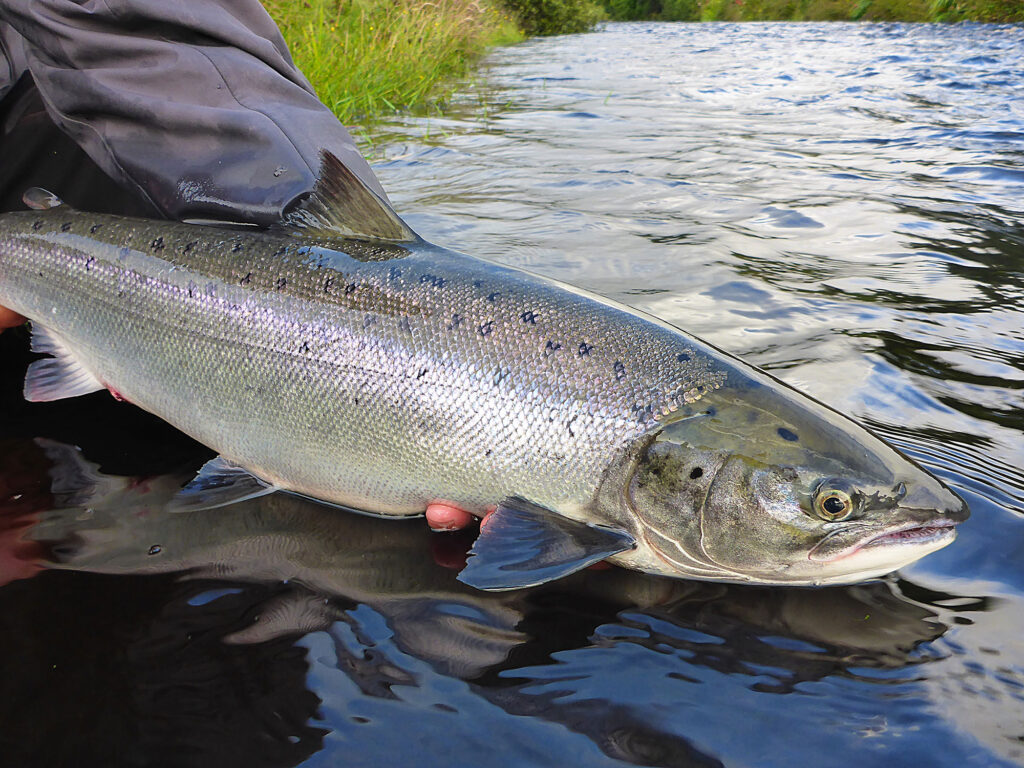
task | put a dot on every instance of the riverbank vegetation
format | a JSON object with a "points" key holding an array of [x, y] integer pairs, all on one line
{"points": [[370, 57], [818, 10]]}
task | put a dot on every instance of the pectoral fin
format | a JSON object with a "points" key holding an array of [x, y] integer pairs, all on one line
{"points": [[522, 545], [220, 482]]}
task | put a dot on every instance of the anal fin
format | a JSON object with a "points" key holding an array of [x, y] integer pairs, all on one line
{"points": [[522, 545], [58, 376], [220, 482]]}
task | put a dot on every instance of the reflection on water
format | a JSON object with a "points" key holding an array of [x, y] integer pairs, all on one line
{"points": [[282, 621], [837, 203]]}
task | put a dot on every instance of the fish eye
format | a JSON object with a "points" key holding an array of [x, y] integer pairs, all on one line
{"points": [[833, 504]]}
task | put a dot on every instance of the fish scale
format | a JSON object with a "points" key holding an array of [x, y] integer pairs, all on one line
{"points": [[239, 338]]}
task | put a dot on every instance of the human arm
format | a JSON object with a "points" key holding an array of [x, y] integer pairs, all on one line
{"points": [[193, 105]]}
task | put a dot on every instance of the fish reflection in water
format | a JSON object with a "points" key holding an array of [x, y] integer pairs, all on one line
{"points": [[312, 626]]}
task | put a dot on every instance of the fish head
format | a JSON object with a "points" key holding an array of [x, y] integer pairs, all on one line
{"points": [[761, 484]]}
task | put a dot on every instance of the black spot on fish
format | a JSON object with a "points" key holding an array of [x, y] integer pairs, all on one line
{"points": [[551, 347], [433, 280], [65, 226], [529, 317], [585, 348], [190, 245], [643, 413], [37, 224], [350, 288], [191, 288], [157, 244], [304, 348], [478, 283], [355, 400], [281, 251], [786, 434], [156, 549], [94, 228], [394, 273], [696, 473], [236, 248], [486, 328], [281, 283], [568, 425], [488, 452], [620, 370], [327, 284], [712, 411], [422, 373], [89, 262], [246, 280], [682, 357], [493, 296], [456, 322]]}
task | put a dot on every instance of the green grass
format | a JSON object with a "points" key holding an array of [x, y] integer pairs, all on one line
{"points": [[369, 57]]}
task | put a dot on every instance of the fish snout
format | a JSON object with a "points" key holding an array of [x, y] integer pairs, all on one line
{"points": [[931, 502]]}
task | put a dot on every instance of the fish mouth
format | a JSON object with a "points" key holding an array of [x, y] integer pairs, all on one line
{"points": [[930, 535]]}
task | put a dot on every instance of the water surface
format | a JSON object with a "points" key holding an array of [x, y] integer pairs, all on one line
{"points": [[840, 204]]}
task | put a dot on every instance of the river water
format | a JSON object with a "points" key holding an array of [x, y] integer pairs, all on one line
{"points": [[840, 204]]}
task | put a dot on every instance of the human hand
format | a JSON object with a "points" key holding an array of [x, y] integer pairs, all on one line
{"points": [[9, 319], [447, 517]]}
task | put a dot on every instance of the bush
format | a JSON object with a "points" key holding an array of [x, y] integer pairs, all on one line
{"points": [[629, 10], [662, 10], [819, 10], [556, 17], [680, 10]]}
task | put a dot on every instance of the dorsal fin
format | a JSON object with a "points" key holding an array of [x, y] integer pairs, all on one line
{"points": [[342, 206], [39, 199]]}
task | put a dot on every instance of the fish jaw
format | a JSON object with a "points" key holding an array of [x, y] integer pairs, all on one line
{"points": [[881, 551]]}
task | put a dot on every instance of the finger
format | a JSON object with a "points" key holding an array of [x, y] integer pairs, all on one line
{"points": [[9, 319], [446, 517]]}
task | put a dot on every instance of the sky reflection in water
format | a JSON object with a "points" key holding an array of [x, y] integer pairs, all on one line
{"points": [[840, 204]]}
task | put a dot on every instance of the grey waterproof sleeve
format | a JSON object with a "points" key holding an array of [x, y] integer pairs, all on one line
{"points": [[195, 105]]}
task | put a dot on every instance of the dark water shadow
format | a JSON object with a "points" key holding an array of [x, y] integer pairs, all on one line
{"points": [[272, 630]]}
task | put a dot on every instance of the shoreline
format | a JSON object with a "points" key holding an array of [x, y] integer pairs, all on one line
{"points": [[370, 58]]}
